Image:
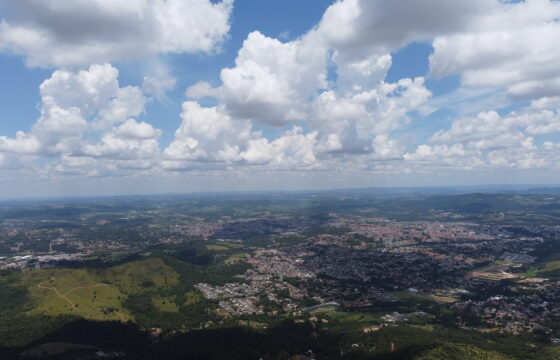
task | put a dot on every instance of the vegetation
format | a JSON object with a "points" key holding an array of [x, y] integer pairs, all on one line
{"points": [[147, 305], [460, 352]]}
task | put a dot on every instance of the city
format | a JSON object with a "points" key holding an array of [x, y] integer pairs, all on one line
{"points": [[256, 266]]}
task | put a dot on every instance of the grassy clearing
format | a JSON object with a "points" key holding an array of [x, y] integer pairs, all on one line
{"points": [[443, 299], [253, 324], [493, 272], [192, 297], [323, 310], [502, 262], [235, 258], [135, 277], [76, 292], [96, 294], [165, 304], [232, 245], [342, 322], [217, 248], [550, 266], [460, 351], [409, 296], [531, 273], [426, 327], [550, 269]]}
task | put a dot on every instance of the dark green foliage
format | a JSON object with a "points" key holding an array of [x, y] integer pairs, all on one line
{"points": [[235, 343], [460, 352], [16, 328]]}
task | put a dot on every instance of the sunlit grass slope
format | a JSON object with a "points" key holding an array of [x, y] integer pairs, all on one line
{"points": [[96, 294]]}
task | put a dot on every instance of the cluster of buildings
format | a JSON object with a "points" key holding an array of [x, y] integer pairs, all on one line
{"points": [[267, 279], [519, 307], [233, 298], [354, 261], [36, 261], [397, 317], [365, 263]]}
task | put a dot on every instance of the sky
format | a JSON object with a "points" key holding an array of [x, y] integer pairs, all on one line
{"points": [[105, 97]]}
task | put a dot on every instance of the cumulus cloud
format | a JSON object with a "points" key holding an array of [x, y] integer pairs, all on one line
{"points": [[491, 140], [158, 86], [495, 130], [87, 126], [293, 150], [323, 99], [510, 46], [22, 144], [271, 80], [200, 90], [82, 32], [359, 118], [277, 83], [358, 28], [208, 134], [130, 140]]}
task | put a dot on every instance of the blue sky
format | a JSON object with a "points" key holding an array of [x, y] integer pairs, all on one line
{"points": [[194, 95], [288, 19]]}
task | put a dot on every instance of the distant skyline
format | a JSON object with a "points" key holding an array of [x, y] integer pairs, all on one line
{"points": [[106, 97]]}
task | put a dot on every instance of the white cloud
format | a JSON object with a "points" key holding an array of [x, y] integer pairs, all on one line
{"points": [[201, 90], [131, 140], [22, 144], [276, 83], [208, 135], [546, 103], [493, 141], [158, 86], [511, 46], [293, 150], [427, 152], [356, 29], [272, 80], [362, 120], [495, 130], [76, 108], [132, 129], [82, 32], [326, 90]]}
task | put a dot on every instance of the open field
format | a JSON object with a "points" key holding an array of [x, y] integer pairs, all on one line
{"points": [[217, 248], [165, 303], [493, 272], [137, 276], [407, 296], [442, 299], [235, 258], [97, 294], [231, 245], [547, 267], [75, 292], [550, 266], [192, 297]]}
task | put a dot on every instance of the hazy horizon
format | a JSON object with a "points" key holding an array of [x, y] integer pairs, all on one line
{"points": [[427, 189]]}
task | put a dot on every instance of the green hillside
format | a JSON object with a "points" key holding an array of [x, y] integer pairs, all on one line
{"points": [[94, 294], [460, 352]]}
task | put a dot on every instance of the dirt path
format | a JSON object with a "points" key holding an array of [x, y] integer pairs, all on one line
{"points": [[85, 287], [63, 296], [121, 316]]}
